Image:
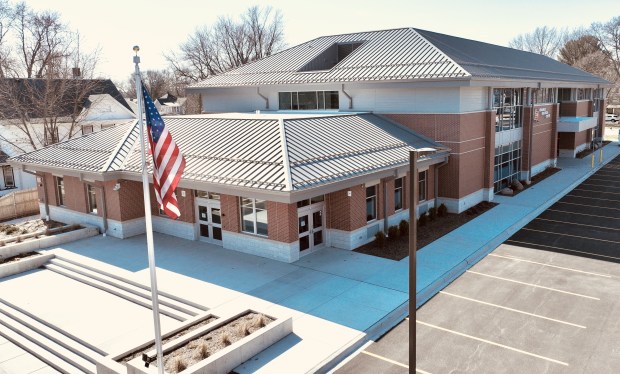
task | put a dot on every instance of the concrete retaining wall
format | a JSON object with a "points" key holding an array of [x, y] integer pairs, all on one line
{"points": [[15, 249], [26, 264]]}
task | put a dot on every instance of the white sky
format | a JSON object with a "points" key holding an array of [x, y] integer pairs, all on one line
{"points": [[159, 26]]}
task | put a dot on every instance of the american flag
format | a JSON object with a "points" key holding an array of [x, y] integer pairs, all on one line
{"points": [[168, 162]]}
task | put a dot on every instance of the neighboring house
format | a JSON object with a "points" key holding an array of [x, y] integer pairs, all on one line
{"points": [[323, 157], [170, 105], [84, 106], [277, 186], [506, 114]]}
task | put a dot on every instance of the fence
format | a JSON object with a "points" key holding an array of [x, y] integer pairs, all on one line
{"points": [[19, 204]]}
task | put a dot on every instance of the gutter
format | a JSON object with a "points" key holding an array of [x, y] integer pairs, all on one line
{"points": [[348, 96], [436, 178], [264, 97]]}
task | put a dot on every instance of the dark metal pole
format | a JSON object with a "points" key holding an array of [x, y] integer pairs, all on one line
{"points": [[413, 245]]}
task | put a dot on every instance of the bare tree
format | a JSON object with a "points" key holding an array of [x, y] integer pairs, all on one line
{"points": [[7, 17], [543, 40], [578, 47], [608, 34], [228, 44]]}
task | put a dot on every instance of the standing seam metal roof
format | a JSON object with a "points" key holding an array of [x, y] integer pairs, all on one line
{"points": [[252, 152], [400, 54]]}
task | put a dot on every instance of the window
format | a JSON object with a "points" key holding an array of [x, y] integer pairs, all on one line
{"points": [[314, 200], [60, 191], [207, 195], [422, 186], [508, 105], [92, 199], [584, 93], [597, 95], [87, 129], [564, 94], [9, 180], [254, 216], [308, 100], [371, 203], [507, 164], [398, 194], [545, 96]]}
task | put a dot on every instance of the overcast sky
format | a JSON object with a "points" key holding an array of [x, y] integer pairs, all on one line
{"points": [[160, 26]]}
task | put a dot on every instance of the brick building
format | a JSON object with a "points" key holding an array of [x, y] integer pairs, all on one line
{"points": [[325, 159]]}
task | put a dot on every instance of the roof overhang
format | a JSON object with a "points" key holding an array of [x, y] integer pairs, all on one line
{"points": [[576, 124]]}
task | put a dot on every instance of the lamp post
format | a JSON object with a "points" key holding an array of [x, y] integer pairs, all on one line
{"points": [[413, 246]]}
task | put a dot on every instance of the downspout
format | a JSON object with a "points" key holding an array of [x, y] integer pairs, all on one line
{"points": [[45, 201], [348, 96], [385, 216], [264, 97], [436, 178], [530, 134]]}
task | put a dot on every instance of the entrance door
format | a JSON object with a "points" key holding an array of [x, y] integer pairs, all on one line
{"points": [[209, 221], [310, 227]]}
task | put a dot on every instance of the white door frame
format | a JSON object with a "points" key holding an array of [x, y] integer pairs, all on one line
{"points": [[309, 211], [211, 226]]}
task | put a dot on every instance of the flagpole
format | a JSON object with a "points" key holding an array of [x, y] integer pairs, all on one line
{"points": [[147, 218]]}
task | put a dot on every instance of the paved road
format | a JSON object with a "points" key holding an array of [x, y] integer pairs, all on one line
{"points": [[545, 301]]}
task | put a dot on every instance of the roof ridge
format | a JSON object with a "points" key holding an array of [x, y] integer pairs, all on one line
{"points": [[115, 155], [441, 51]]}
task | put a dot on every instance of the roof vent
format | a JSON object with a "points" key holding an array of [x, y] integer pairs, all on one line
{"points": [[331, 56]]}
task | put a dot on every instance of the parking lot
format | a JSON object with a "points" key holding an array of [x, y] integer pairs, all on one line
{"points": [[545, 301]]}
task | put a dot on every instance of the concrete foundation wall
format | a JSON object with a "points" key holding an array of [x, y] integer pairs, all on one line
{"points": [[255, 245]]}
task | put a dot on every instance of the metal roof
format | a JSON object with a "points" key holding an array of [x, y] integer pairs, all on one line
{"points": [[399, 54], [384, 55], [267, 152]]}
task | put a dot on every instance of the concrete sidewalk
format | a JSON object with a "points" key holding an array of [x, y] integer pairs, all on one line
{"points": [[442, 261]]}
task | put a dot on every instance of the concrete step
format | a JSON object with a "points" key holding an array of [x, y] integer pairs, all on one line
{"points": [[163, 309], [43, 348], [126, 285], [51, 332], [188, 303]]}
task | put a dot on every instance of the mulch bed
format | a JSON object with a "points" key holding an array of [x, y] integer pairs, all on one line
{"points": [[537, 178], [18, 257], [587, 152], [398, 248]]}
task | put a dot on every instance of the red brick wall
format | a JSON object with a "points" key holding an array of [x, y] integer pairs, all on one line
{"points": [[389, 186], [489, 149], [576, 109], [186, 204], [130, 199], [554, 131], [230, 213], [466, 135], [346, 213], [283, 222], [543, 136], [566, 140], [601, 118], [75, 194], [581, 138]]}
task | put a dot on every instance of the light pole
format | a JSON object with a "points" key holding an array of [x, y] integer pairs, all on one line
{"points": [[413, 246]]}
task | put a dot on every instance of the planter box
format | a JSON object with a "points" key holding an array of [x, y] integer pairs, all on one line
{"points": [[14, 249], [230, 357], [20, 266], [110, 364]]}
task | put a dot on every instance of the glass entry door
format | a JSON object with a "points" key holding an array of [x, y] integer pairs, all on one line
{"points": [[209, 221], [310, 223]]}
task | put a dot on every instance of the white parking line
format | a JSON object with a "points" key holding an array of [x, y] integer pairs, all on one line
{"points": [[581, 214], [572, 236], [593, 198], [533, 285], [563, 249], [386, 359], [598, 185], [599, 179], [493, 343], [575, 223], [581, 189], [551, 266], [513, 310], [589, 206]]}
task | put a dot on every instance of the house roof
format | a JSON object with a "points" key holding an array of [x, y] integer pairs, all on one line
{"points": [[405, 54], [27, 93], [268, 152]]}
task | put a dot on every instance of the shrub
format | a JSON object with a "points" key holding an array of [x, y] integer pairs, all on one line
{"points": [[178, 365], [11, 230], [225, 340], [259, 321], [422, 220], [203, 350], [244, 329], [380, 239], [432, 213], [403, 227], [442, 211], [392, 232]]}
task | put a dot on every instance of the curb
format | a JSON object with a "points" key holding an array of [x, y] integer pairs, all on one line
{"points": [[445, 279]]}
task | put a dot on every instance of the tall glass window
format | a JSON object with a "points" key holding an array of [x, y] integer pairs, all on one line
{"points": [[507, 164], [371, 203], [9, 179], [508, 105], [254, 216], [92, 199], [422, 186], [60, 191], [564, 94], [545, 96], [398, 194]]}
